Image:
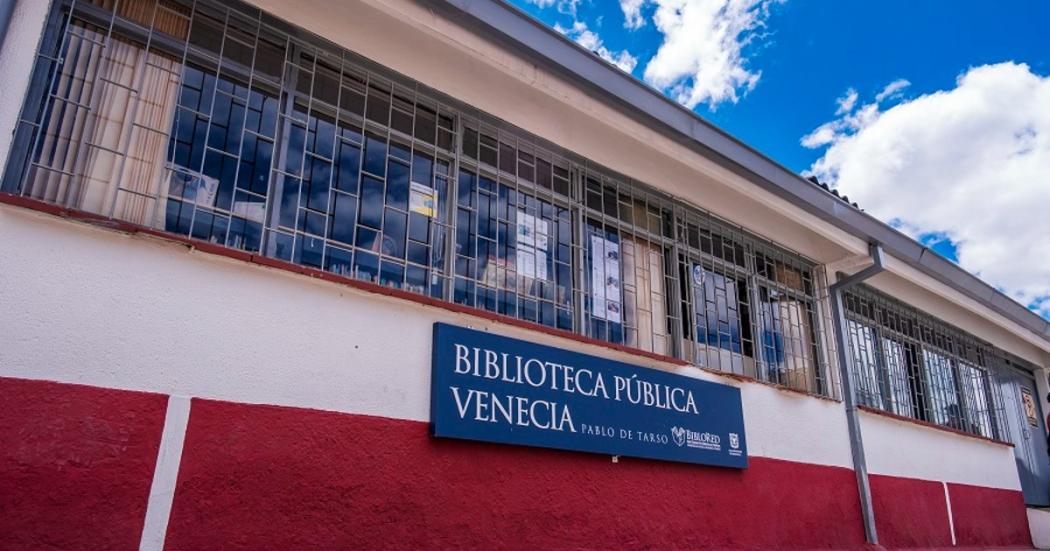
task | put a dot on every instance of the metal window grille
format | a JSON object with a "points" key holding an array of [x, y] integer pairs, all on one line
{"points": [[911, 364], [222, 123]]}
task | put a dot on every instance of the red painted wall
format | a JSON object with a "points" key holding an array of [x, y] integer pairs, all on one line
{"points": [[263, 476], [989, 516], [910, 513], [76, 464]]}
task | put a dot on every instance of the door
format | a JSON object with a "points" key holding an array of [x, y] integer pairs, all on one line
{"points": [[1026, 423]]}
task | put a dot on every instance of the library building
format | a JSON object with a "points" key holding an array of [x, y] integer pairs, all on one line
{"points": [[416, 274]]}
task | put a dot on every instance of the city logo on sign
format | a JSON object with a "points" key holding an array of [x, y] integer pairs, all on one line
{"points": [[734, 440], [679, 435]]}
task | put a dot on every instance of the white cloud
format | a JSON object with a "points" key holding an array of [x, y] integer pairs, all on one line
{"points": [[590, 40], [971, 163], [700, 59], [564, 6], [847, 102], [892, 90], [823, 135], [632, 13]]}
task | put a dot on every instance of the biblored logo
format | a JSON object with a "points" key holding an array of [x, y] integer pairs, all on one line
{"points": [[692, 439]]}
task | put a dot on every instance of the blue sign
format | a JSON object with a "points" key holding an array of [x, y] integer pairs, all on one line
{"points": [[497, 389]]}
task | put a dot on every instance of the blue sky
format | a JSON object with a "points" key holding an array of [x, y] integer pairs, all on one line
{"points": [[964, 121]]}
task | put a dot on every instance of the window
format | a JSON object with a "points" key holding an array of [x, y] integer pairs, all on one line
{"points": [[975, 389], [718, 308], [786, 312], [219, 153], [356, 197], [100, 142], [940, 380], [913, 365], [863, 343], [625, 298], [209, 123], [895, 357], [748, 308], [514, 235], [223, 124], [717, 327]]}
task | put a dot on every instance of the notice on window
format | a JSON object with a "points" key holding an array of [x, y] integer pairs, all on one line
{"points": [[532, 232], [532, 264], [532, 240], [606, 302], [1030, 409], [422, 199], [251, 210], [207, 189]]}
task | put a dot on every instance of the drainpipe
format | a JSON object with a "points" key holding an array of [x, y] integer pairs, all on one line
{"points": [[7, 7], [856, 441]]}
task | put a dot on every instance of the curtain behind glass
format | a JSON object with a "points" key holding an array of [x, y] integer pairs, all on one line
{"points": [[104, 135]]}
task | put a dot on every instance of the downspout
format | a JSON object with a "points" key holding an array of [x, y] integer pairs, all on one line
{"points": [[856, 440], [7, 7]]}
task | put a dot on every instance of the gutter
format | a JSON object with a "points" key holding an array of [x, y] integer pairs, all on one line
{"points": [[849, 399], [519, 32]]}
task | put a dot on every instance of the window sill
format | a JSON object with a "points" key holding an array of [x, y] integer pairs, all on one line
{"points": [[262, 260], [935, 426]]}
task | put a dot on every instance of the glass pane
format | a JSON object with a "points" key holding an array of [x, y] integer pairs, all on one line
{"points": [[865, 364], [896, 361], [349, 160], [375, 155], [397, 185], [344, 218], [371, 202], [940, 380]]}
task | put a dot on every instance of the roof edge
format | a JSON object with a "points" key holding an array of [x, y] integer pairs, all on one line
{"points": [[522, 32]]}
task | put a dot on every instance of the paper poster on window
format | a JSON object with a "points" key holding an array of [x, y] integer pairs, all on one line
{"points": [[532, 263], [252, 210], [207, 189], [532, 240], [532, 232], [422, 199], [606, 303], [1030, 409]]}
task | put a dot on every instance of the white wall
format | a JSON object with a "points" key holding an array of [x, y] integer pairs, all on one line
{"points": [[901, 448], [88, 305], [83, 304]]}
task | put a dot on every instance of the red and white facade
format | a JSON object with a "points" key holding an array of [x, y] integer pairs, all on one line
{"points": [[162, 392]]}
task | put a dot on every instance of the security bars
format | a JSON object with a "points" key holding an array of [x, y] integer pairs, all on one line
{"points": [[224, 124], [911, 364]]}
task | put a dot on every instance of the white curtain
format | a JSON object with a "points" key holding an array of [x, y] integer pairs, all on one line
{"points": [[105, 138]]}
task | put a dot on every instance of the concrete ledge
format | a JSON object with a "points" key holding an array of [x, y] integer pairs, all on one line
{"points": [[1039, 525]]}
